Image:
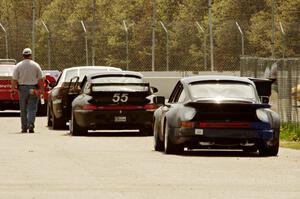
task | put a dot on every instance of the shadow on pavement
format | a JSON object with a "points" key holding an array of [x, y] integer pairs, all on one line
{"points": [[110, 134], [220, 153], [9, 114]]}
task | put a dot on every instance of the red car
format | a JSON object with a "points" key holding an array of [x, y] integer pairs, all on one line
{"points": [[10, 102]]}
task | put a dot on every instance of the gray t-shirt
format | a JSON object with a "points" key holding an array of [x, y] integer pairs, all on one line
{"points": [[27, 72]]}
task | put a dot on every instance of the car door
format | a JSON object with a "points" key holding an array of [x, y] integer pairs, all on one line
{"points": [[169, 106]]}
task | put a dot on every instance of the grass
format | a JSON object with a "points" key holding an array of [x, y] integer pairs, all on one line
{"points": [[291, 145], [290, 135]]}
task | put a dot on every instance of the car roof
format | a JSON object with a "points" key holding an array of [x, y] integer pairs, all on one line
{"points": [[92, 67], [199, 78], [119, 73]]}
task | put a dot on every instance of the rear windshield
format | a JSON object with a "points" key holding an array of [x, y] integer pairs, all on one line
{"points": [[85, 71], [6, 70], [223, 90]]}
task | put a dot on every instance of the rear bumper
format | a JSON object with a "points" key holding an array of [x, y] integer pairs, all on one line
{"points": [[9, 105], [220, 136], [103, 120]]}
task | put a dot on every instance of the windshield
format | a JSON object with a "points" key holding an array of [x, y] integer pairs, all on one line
{"points": [[85, 71], [6, 70], [223, 91]]}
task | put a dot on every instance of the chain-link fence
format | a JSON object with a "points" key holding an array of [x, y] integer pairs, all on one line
{"points": [[185, 47], [285, 97]]}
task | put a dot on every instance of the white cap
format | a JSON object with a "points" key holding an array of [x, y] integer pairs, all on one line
{"points": [[27, 51]]}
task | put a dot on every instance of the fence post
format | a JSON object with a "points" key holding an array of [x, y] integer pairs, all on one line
{"points": [[6, 40]]}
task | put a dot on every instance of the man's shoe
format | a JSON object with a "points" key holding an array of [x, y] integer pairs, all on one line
{"points": [[31, 128], [24, 131]]}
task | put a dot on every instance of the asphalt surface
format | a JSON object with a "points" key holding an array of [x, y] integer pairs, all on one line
{"points": [[53, 164]]}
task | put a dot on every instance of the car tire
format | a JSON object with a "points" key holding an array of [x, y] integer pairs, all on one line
{"points": [[42, 110], [169, 146], [75, 129], [158, 144], [49, 121], [266, 150], [56, 122], [146, 131]]}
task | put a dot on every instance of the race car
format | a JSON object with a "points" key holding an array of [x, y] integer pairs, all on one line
{"points": [[11, 102], [222, 112], [113, 100], [66, 89]]}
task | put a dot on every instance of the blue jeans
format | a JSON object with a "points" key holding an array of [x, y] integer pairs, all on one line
{"points": [[28, 105]]}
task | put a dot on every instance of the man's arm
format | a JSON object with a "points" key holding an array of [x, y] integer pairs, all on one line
{"points": [[14, 86], [41, 85]]}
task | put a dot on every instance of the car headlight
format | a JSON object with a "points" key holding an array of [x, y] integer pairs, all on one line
{"points": [[187, 113], [262, 115]]}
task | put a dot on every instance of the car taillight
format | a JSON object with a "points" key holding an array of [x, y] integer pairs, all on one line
{"points": [[89, 107], [187, 124], [150, 106], [120, 107], [224, 125], [45, 84]]}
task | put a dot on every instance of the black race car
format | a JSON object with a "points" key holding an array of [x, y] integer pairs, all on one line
{"points": [[65, 90], [113, 100], [217, 112]]}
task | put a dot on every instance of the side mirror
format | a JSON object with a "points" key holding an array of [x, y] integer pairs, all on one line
{"points": [[265, 100], [159, 100], [154, 89]]}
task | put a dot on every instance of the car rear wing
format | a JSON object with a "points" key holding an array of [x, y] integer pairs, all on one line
{"points": [[147, 85], [263, 87], [234, 106]]}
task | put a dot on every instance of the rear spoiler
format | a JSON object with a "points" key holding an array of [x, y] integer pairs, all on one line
{"points": [[229, 106], [149, 90], [263, 86], [121, 84]]}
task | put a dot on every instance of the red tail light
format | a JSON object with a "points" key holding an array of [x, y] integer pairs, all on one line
{"points": [[187, 124], [117, 107], [150, 106], [89, 107], [224, 125], [110, 108]]}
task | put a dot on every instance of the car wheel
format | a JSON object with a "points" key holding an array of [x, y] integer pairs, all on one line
{"points": [[158, 144], [76, 130], [42, 110], [49, 121], [146, 131], [267, 150], [169, 146], [56, 122]]}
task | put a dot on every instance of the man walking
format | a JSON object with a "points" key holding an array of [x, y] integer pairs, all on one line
{"points": [[27, 78]]}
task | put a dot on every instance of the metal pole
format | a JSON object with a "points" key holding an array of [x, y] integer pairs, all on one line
{"points": [[242, 36], [126, 32], [283, 39], [6, 40], [273, 29], [153, 33], [33, 29], [201, 29], [49, 45], [94, 30], [211, 37], [167, 44], [86, 44]]}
